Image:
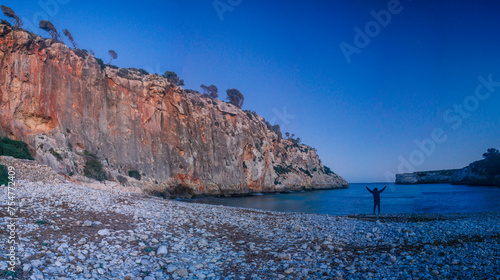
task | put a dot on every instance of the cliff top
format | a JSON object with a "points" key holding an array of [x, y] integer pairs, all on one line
{"points": [[24, 40]]}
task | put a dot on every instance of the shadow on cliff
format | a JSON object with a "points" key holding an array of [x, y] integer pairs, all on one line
{"points": [[177, 190]]}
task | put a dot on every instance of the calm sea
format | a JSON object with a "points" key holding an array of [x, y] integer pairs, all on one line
{"points": [[439, 198]]}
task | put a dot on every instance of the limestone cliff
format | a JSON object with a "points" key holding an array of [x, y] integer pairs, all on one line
{"points": [[63, 102]]}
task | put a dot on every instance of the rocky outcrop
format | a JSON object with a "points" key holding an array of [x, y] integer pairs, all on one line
{"points": [[426, 177], [63, 102], [474, 174]]}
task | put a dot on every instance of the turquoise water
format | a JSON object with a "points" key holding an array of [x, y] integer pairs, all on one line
{"points": [[439, 198]]}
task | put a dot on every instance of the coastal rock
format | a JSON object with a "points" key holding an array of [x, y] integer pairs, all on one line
{"points": [[427, 177], [63, 102], [162, 250], [284, 256], [474, 174], [104, 232], [182, 272], [87, 224]]}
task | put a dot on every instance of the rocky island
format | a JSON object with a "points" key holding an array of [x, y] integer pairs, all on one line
{"points": [[484, 172], [72, 109]]}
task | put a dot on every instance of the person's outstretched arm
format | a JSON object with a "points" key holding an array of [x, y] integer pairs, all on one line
{"points": [[368, 189], [383, 189]]}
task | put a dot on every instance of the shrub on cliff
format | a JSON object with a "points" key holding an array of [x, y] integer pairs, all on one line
{"points": [[235, 97], [13, 148], [81, 53], [250, 113], [141, 71], [50, 28], [93, 167], [113, 55], [5, 22], [192, 91], [328, 170], [56, 154], [210, 90], [124, 73], [491, 154], [295, 141], [134, 174], [491, 163], [8, 12], [122, 180], [282, 169], [4, 175], [70, 38], [276, 129], [173, 78], [101, 63]]}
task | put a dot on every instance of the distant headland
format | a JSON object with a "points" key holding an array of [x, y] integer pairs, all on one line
{"points": [[485, 172]]}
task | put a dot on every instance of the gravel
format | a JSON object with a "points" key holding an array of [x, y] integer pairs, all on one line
{"points": [[68, 230]]}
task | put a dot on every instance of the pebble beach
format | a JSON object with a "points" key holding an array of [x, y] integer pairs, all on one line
{"points": [[73, 230]]}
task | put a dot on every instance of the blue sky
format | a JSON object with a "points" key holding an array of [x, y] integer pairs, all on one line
{"points": [[363, 117]]}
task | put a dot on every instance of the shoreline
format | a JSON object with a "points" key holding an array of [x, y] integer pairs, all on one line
{"points": [[235, 195], [77, 232]]}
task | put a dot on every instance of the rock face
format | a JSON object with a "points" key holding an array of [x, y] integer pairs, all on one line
{"points": [[426, 177], [62, 102], [474, 174]]}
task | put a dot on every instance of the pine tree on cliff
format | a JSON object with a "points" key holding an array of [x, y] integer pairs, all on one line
{"points": [[210, 90], [491, 154], [492, 162], [113, 55], [50, 28], [8, 12], [173, 78], [70, 38], [235, 97]]}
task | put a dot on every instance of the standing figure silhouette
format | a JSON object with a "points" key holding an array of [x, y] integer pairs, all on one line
{"points": [[376, 198]]}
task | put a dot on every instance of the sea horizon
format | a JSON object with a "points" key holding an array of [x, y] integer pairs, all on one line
{"points": [[396, 199]]}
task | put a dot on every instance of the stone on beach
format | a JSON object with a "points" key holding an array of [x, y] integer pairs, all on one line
{"points": [[162, 250]]}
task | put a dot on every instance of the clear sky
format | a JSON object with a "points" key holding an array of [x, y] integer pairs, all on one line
{"points": [[360, 91]]}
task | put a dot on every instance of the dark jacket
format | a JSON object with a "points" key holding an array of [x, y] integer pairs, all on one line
{"points": [[376, 194]]}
